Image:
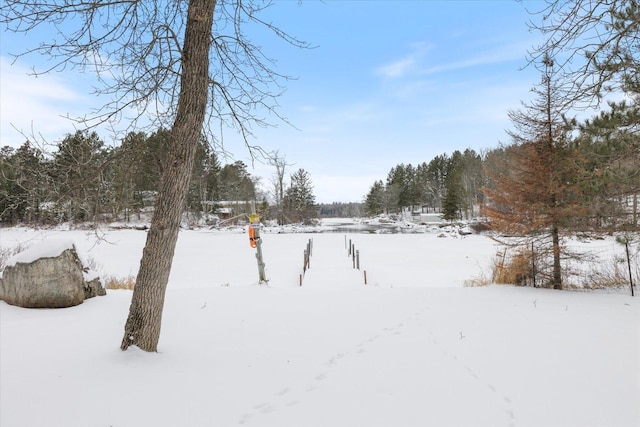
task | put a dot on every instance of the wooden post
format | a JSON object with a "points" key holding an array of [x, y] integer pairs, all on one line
{"points": [[365, 277], [353, 256], [533, 266], [304, 262], [358, 259], [349, 247], [626, 245], [301, 280], [254, 219]]}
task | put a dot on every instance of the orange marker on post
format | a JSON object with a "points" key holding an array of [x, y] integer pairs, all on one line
{"points": [[253, 236], [255, 242]]}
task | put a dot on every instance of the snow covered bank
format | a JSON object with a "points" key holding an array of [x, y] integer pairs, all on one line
{"points": [[412, 348]]}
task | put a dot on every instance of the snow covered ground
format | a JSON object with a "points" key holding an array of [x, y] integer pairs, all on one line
{"points": [[413, 347]]}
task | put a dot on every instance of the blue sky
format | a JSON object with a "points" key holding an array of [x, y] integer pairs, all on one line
{"points": [[389, 82]]}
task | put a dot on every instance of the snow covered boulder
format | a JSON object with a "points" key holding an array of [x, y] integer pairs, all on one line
{"points": [[465, 231], [48, 275]]}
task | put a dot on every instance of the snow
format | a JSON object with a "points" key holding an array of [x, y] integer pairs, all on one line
{"points": [[48, 248], [413, 347]]}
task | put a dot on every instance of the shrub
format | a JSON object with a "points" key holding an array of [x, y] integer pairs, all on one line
{"points": [[481, 280], [602, 276], [513, 270]]}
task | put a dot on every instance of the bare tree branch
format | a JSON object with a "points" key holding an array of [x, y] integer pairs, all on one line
{"points": [[596, 44]]}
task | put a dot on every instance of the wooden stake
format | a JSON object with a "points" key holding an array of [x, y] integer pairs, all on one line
{"points": [[353, 255]]}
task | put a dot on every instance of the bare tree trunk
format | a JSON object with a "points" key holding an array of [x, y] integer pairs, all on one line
{"points": [[280, 164], [635, 210], [142, 328], [557, 271]]}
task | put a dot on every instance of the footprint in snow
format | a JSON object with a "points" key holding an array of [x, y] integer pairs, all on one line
{"points": [[282, 392], [321, 376]]}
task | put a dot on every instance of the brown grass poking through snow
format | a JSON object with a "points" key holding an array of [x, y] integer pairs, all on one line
{"points": [[514, 270], [127, 283]]}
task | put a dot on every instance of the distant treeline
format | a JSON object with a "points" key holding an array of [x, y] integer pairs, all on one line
{"points": [[340, 210], [81, 179], [605, 175]]}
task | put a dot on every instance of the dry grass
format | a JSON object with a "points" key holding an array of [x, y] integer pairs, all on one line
{"points": [[505, 269], [477, 282], [614, 275], [126, 283], [513, 270], [481, 280]]}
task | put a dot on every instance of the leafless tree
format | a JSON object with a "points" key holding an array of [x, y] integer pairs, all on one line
{"points": [[187, 66], [594, 42], [280, 163]]}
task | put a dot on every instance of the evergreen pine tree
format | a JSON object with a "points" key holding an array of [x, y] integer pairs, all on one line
{"points": [[535, 184]]}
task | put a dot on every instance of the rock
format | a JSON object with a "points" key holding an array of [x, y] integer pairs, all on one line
{"points": [[47, 281], [93, 288], [465, 231]]}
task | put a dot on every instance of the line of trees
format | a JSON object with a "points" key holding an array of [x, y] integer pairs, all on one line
{"points": [[448, 184], [590, 172], [340, 210], [84, 180]]}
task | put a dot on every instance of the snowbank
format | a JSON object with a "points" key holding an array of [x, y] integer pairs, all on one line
{"points": [[413, 347]]}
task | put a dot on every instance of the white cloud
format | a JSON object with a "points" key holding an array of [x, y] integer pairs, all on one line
{"points": [[34, 105], [504, 53], [397, 69], [406, 65]]}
